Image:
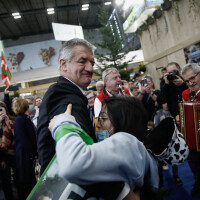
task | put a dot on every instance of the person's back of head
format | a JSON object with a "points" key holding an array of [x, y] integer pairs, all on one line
{"points": [[20, 106], [127, 114]]}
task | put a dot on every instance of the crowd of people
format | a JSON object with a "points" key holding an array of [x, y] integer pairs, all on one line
{"points": [[119, 121]]}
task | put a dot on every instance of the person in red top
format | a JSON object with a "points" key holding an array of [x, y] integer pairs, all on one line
{"points": [[191, 76], [112, 80]]}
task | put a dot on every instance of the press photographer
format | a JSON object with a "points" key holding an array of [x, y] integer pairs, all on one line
{"points": [[173, 75], [171, 93]]}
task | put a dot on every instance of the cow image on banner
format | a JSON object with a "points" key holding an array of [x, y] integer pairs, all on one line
{"points": [[6, 75]]}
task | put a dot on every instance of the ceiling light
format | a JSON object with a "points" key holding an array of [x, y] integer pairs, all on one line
{"points": [[15, 14], [85, 5], [50, 12], [119, 2], [50, 9], [107, 3], [84, 8]]}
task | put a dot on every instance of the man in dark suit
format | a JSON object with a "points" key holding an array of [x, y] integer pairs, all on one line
{"points": [[76, 60]]}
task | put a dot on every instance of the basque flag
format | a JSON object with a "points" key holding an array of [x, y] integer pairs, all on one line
{"points": [[6, 75]]}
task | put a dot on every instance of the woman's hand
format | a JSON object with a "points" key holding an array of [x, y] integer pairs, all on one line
{"points": [[3, 116], [67, 112]]}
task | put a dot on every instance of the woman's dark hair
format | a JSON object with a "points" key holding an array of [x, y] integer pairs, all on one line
{"points": [[127, 114], [2, 104]]}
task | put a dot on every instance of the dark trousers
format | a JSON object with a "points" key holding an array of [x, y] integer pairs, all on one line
{"points": [[194, 163], [6, 182], [25, 189], [175, 170]]}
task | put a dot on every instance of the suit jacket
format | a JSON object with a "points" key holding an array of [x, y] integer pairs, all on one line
{"points": [[55, 102], [25, 147]]}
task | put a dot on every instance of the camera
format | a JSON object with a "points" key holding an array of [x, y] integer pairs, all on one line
{"points": [[144, 81], [172, 75]]}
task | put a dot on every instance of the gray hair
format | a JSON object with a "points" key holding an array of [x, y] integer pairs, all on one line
{"points": [[106, 72], [66, 51], [99, 82], [193, 66]]}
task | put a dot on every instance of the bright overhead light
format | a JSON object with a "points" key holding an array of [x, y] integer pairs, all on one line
{"points": [[85, 5], [50, 12], [50, 9], [119, 2], [84, 8], [107, 3], [15, 14]]}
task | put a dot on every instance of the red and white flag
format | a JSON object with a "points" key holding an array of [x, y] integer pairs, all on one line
{"points": [[6, 75]]}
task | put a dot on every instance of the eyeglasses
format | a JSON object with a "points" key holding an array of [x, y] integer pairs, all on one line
{"points": [[90, 98], [191, 80], [101, 120]]}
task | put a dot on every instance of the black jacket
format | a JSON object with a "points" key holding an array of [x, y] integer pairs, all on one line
{"points": [[25, 148], [55, 102], [172, 95]]}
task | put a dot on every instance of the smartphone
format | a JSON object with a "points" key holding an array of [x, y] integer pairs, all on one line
{"points": [[13, 88], [144, 81]]}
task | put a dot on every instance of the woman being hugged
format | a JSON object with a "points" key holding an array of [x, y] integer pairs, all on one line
{"points": [[121, 157]]}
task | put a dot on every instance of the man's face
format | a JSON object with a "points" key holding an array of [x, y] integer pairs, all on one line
{"points": [[91, 98], [192, 80], [99, 88], [80, 69], [30, 102], [170, 68], [38, 101], [112, 82], [131, 84], [164, 72], [139, 79]]}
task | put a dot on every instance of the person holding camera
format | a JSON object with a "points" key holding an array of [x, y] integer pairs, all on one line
{"points": [[7, 151], [149, 96], [171, 93]]}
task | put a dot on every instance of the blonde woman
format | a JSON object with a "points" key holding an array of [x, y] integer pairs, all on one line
{"points": [[26, 149]]}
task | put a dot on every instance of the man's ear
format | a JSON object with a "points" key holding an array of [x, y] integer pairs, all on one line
{"points": [[63, 64]]}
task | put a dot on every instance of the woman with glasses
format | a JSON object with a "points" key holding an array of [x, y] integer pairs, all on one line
{"points": [[121, 157]]}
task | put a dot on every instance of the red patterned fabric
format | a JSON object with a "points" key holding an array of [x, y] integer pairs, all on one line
{"points": [[186, 95], [7, 137]]}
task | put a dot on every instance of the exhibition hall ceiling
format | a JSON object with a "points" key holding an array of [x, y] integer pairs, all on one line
{"points": [[35, 20]]}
